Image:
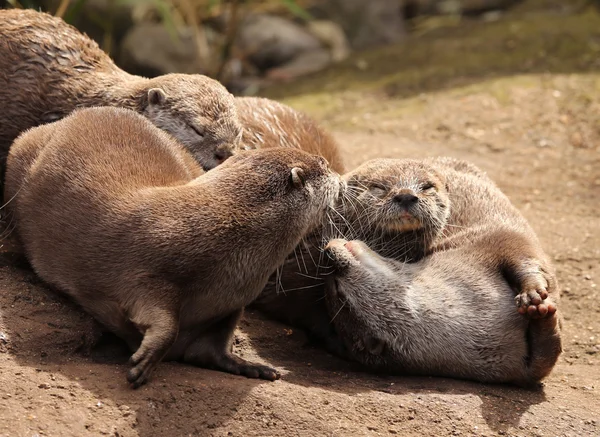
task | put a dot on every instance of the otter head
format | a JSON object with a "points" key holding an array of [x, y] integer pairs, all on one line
{"points": [[273, 197], [288, 190], [393, 203], [357, 295], [196, 110]]}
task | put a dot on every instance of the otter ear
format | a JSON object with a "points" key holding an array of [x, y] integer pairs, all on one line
{"points": [[298, 177], [156, 96]]}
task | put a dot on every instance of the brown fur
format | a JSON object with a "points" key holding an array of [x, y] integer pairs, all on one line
{"points": [[268, 123], [112, 211], [48, 69], [462, 208]]}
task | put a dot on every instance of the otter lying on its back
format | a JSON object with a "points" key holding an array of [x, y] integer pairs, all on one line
{"points": [[48, 69], [408, 209], [450, 314], [113, 212]]}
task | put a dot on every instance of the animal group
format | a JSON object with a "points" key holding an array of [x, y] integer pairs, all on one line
{"points": [[165, 206]]}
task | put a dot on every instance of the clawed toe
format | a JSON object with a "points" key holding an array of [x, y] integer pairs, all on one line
{"points": [[534, 305], [238, 366]]}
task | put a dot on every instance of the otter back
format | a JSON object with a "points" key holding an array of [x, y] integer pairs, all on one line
{"points": [[268, 123]]}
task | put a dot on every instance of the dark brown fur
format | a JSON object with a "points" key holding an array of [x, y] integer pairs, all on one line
{"points": [[117, 215], [48, 69]]}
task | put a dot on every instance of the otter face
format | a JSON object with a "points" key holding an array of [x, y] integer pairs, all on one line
{"points": [[391, 197], [197, 111], [285, 182]]}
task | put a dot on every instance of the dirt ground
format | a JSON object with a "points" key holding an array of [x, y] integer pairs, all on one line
{"points": [[538, 136]]}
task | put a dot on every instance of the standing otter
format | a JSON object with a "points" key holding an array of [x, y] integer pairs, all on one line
{"points": [[450, 314], [406, 210], [48, 69], [111, 210], [268, 124]]}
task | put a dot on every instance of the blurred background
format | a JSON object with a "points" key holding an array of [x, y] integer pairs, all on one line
{"points": [[263, 46]]}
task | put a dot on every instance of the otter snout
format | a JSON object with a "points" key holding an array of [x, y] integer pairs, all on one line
{"points": [[223, 151], [406, 200]]}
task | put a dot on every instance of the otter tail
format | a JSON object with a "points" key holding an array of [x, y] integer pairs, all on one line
{"points": [[545, 346]]}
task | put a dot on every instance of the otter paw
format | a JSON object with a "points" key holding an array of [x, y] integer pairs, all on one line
{"points": [[143, 363], [239, 366], [257, 371], [532, 301]]}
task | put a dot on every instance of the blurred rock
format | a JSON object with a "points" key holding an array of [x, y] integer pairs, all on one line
{"points": [[304, 63], [331, 36], [366, 23], [149, 50], [269, 41]]}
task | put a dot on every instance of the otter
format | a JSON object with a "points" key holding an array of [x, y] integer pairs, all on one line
{"points": [[406, 210], [116, 214], [450, 314], [48, 69], [268, 123]]}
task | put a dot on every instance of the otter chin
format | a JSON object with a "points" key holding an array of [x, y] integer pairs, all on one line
{"points": [[405, 223], [447, 315]]}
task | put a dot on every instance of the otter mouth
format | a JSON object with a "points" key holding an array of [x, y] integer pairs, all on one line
{"points": [[404, 222]]}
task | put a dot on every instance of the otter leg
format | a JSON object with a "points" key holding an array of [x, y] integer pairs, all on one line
{"points": [[158, 319], [212, 349], [525, 268]]}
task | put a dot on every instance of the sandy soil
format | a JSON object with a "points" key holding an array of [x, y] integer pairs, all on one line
{"points": [[538, 136]]}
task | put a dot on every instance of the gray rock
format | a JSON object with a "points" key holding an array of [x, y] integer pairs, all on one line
{"points": [[367, 23], [304, 63], [269, 41], [331, 36], [149, 50]]}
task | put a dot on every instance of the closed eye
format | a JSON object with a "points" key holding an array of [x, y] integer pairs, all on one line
{"points": [[377, 190], [377, 186], [427, 186], [199, 131]]}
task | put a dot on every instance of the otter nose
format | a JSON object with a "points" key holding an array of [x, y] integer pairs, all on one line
{"points": [[222, 153], [406, 200]]}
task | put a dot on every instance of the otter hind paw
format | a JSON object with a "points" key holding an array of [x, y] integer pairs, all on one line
{"points": [[532, 300]]}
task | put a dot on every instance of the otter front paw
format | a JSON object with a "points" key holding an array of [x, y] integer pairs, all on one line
{"points": [[238, 366], [143, 363], [532, 300]]}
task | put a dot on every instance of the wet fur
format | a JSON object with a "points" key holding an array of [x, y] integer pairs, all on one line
{"points": [[116, 214], [48, 69]]}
